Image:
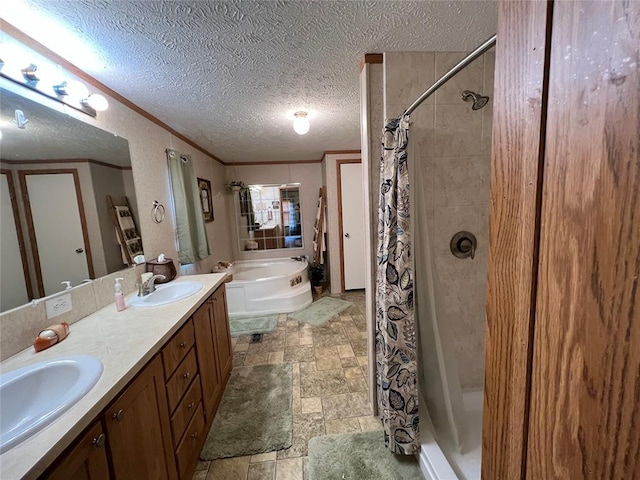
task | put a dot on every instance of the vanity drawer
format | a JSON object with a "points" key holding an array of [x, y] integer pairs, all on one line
{"points": [[181, 379], [176, 348], [186, 409], [189, 448]]}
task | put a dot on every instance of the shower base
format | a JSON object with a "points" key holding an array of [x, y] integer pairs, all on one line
{"points": [[438, 463]]}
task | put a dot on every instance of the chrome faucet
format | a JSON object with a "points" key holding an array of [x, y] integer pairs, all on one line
{"points": [[149, 286], [301, 258]]}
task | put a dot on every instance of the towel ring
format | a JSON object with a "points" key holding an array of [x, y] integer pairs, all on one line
{"points": [[158, 212]]}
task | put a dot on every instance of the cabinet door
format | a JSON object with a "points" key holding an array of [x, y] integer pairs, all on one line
{"points": [[87, 459], [138, 428], [207, 360], [222, 334]]}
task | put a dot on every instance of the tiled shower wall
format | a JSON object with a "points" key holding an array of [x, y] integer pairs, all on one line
{"points": [[452, 147]]}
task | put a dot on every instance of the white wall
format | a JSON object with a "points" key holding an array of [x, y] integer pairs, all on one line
{"points": [[147, 145], [107, 181]]}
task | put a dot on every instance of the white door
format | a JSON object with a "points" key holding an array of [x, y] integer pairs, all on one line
{"points": [[58, 230], [13, 288], [352, 225]]}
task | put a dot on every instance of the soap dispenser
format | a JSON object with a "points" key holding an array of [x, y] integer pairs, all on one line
{"points": [[119, 296]]}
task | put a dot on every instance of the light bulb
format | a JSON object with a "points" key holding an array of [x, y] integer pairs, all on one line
{"points": [[50, 74], [301, 123], [13, 59], [97, 102]]}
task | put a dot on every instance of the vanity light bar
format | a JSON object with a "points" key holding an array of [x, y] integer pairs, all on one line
{"points": [[48, 82]]}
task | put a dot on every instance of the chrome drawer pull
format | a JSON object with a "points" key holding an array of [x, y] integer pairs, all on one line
{"points": [[118, 416], [186, 376]]}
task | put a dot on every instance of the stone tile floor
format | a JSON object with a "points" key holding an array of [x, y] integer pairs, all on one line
{"points": [[329, 389]]}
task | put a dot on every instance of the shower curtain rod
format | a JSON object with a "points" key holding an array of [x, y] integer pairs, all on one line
{"points": [[486, 45]]}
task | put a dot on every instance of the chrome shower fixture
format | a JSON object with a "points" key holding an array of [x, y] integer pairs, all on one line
{"points": [[478, 100]]}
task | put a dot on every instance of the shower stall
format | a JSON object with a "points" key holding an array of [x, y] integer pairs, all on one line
{"points": [[449, 152]]}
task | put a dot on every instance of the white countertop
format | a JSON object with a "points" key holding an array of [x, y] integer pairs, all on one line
{"points": [[124, 342]]}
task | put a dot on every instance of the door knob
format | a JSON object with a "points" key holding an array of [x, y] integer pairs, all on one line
{"points": [[346, 235], [79, 250]]}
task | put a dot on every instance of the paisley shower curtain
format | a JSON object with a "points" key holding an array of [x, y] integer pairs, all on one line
{"points": [[396, 360]]}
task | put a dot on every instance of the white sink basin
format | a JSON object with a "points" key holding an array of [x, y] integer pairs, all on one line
{"points": [[169, 293], [32, 397]]}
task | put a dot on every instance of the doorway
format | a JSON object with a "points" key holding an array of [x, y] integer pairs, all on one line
{"points": [[60, 243], [351, 224]]}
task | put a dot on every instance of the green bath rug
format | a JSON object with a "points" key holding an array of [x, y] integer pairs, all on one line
{"points": [[321, 311], [255, 414], [250, 325], [358, 456]]}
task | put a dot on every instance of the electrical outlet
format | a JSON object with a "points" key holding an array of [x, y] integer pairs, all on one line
{"points": [[58, 306]]}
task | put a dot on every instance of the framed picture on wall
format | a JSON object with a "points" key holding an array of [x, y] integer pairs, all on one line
{"points": [[205, 199]]}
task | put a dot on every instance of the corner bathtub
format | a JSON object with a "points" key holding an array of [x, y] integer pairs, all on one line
{"points": [[268, 286]]}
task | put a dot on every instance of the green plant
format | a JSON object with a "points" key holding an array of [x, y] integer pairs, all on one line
{"points": [[316, 274]]}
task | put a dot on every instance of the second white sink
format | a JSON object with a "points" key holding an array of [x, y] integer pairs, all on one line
{"points": [[32, 397], [165, 294]]}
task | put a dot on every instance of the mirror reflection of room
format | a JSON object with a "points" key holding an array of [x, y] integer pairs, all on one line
{"points": [[62, 183], [270, 217]]}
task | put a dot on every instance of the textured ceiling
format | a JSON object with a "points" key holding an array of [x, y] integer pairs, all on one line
{"points": [[229, 74]]}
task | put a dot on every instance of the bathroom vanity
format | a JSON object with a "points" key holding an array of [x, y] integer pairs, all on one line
{"points": [[165, 369]]}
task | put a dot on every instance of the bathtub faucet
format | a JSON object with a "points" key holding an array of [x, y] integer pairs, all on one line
{"points": [[301, 258]]}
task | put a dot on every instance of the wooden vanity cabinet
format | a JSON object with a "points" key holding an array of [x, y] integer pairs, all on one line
{"points": [[205, 346], [184, 398], [85, 460], [224, 350], [213, 345], [138, 430], [157, 425]]}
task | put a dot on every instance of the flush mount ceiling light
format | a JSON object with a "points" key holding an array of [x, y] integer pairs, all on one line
{"points": [[301, 123]]}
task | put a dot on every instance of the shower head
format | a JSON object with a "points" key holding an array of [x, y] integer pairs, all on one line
{"points": [[478, 100]]}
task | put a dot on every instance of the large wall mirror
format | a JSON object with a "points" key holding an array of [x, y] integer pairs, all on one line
{"points": [[269, 217], [57, 174]]}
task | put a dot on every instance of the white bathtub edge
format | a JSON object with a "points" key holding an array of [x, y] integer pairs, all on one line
{"points": [[269, 312], [434, 465]]}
